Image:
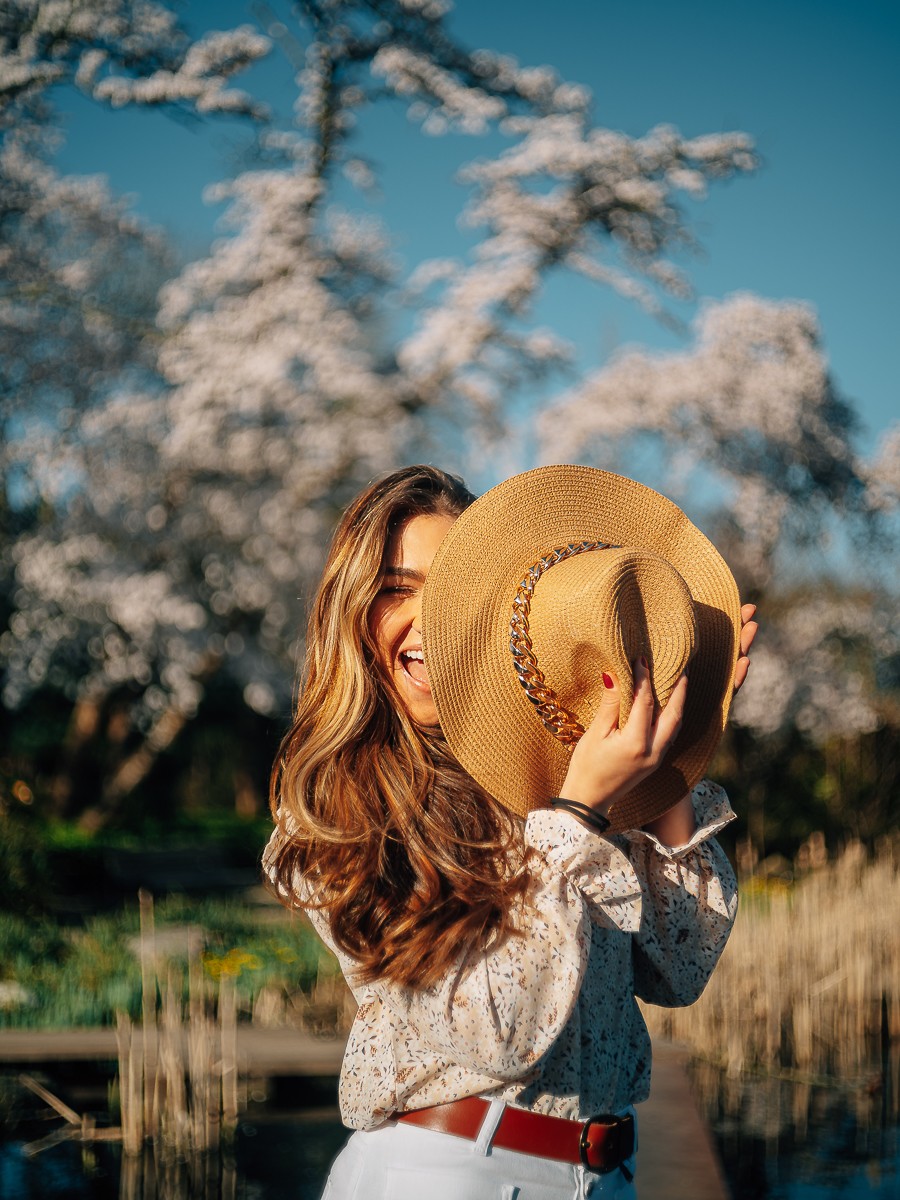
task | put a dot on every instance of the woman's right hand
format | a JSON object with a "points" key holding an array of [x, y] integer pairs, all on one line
{"points": [[608, 762]]}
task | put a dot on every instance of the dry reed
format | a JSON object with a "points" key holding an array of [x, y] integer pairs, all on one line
{"points": [[809, 984], [178, 1073]]}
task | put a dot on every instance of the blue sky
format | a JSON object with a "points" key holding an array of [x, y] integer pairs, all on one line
{"points": [[816, 84]]}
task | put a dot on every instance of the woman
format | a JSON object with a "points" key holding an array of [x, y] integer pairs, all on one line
{"points": [[495, 946]]}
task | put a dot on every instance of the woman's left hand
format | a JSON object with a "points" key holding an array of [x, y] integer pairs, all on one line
{"points": [[749, 629]]}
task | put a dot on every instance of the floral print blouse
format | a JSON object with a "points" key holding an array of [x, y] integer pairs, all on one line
{"points": [[547, 1020]]}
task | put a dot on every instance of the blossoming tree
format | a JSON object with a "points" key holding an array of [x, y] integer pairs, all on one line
{"points": [[78, 289], [300, 357]]}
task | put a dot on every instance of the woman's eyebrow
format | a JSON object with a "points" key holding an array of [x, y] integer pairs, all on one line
{"points": [[405, 573]]}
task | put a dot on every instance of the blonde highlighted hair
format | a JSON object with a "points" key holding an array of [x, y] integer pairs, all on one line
{"points": [[410, 859]]}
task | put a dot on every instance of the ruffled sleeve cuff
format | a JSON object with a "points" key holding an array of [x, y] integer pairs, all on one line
{"points": [[600, 870], [712, 812]]}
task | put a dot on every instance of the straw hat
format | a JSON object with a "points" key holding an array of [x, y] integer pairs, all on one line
{"points": [[540, 586]]}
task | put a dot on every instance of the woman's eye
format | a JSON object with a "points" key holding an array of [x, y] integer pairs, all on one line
{"points": [[395, 591]]}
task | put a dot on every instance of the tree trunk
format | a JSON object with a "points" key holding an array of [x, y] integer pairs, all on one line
{"points": [[135, 768]]}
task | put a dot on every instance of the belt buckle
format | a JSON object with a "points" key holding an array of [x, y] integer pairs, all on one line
{"points": [[615, 1143]]}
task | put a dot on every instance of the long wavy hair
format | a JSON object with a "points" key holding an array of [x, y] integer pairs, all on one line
{"points": [[377, 824]]}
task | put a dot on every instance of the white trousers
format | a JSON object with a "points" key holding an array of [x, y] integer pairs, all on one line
{"points": [[404, 1162]]}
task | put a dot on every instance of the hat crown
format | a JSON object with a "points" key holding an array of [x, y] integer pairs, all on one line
{"points": [[600, 611]]}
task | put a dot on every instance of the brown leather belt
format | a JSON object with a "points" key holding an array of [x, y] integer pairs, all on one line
{"points": [[602, 1143]]}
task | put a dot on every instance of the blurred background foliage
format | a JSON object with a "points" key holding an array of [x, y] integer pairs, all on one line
{"points": [[58, 977]]}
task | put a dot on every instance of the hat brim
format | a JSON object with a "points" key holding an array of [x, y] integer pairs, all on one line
{"points": [[488, 721]]}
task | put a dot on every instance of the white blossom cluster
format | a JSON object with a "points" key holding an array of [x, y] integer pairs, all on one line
{"points": [[883, 473], [455, 106], [567, 196], [122, 52], [77, 273], [312, 397], [814, 670], [432, 10], [82, 597]]}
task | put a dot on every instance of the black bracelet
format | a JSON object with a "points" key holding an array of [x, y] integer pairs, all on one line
{"points": [[583, 812]]}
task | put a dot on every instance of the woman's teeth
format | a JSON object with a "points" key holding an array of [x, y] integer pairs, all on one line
{"points": [[414, 664]]}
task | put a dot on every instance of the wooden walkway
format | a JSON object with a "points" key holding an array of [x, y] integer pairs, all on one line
{"points": [[677, 1160], [264, 1052]]}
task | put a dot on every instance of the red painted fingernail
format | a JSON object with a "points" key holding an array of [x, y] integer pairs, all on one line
{"points": [[607, 680]]}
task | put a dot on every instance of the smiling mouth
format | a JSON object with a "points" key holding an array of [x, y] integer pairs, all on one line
{"points": [[413, 662]]}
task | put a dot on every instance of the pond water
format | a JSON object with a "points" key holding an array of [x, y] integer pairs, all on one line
{"points": [[778, 1140], [285, 1157], [784, 1139]]}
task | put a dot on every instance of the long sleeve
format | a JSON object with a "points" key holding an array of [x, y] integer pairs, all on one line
{"points": [[690, 902]]}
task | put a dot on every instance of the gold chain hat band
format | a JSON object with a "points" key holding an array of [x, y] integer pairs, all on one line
{"points": [[560, 722]]}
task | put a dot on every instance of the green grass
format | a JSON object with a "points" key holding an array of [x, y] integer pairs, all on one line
{"points": [[216, 828], [83, 976]]}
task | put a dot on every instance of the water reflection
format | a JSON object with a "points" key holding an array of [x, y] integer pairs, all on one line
{"points": [[792, 1139], [273, 1158], [780, 1139]]}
